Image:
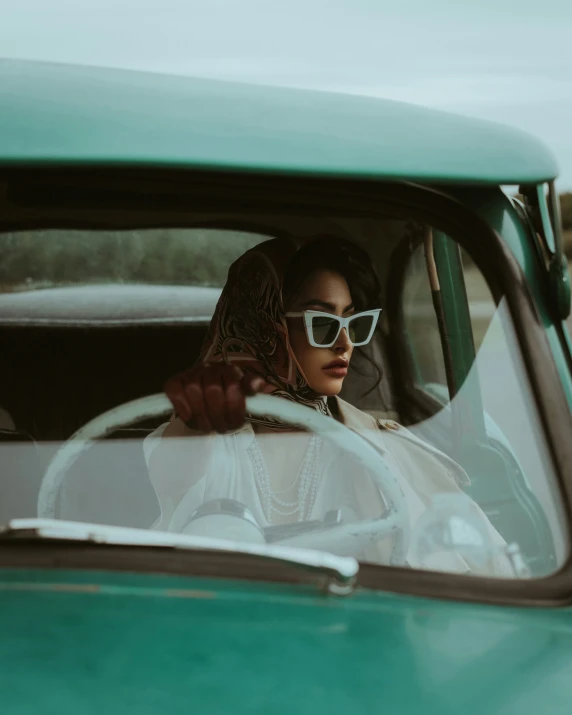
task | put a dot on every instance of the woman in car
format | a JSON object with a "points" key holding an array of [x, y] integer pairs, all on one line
{"points": [[287, 324]]}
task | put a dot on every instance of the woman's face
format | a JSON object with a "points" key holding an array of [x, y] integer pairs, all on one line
{"points": [[323, 368]]}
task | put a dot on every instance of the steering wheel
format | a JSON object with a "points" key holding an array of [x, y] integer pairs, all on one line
{"points": [[394, 520]]}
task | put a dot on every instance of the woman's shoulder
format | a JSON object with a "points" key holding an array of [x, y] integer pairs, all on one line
{"points": [[395, 438]]}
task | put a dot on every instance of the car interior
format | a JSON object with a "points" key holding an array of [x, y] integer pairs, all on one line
{"points": [[56, 375]]}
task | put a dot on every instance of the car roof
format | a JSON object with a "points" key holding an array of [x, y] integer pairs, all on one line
{"points": [[54, 114]]}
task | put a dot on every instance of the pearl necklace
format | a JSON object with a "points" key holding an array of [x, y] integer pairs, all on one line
{"points": [[307, 479]]}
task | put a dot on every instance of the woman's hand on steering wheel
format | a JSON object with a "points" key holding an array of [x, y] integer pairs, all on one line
{"points": [[212, 398]]}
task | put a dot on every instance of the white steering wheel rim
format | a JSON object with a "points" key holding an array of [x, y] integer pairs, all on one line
{"points": [[284, 410]]}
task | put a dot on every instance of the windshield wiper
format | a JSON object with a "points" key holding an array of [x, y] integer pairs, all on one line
{"points": [[341, 570]]}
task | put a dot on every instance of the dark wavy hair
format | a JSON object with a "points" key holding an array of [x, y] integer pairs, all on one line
{"points": [[350, 261]]}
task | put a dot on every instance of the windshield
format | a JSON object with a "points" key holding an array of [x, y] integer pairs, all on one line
{"points": [[437, 460]]}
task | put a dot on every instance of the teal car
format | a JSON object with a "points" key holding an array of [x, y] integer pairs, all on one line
{"points": [[124, 198]]}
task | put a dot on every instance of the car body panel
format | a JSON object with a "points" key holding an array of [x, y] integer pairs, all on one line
{"points": [[61, 114], [115, 643]]}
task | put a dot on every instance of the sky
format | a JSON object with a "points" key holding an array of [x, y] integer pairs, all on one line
{"points": [[505, 60]]}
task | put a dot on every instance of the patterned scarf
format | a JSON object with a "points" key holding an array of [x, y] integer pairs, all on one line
{"points": [[249, 328]]}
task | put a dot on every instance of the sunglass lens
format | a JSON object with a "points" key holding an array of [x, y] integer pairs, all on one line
{"points": [[360, 328], [324, 330]]}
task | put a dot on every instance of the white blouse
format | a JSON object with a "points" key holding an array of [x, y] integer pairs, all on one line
{"points": [[230, 474]]}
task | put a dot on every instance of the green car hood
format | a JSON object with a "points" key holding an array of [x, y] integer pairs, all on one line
{"points": [[119, 643]]}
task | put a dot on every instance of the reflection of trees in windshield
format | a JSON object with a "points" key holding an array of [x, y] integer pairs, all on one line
{"points": [[41, 259]]}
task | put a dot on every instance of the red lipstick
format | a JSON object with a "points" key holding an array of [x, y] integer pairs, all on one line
{"points": [[337, 368]]}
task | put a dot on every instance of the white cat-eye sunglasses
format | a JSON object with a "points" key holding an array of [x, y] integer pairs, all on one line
{"points": [[323, 329]]}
